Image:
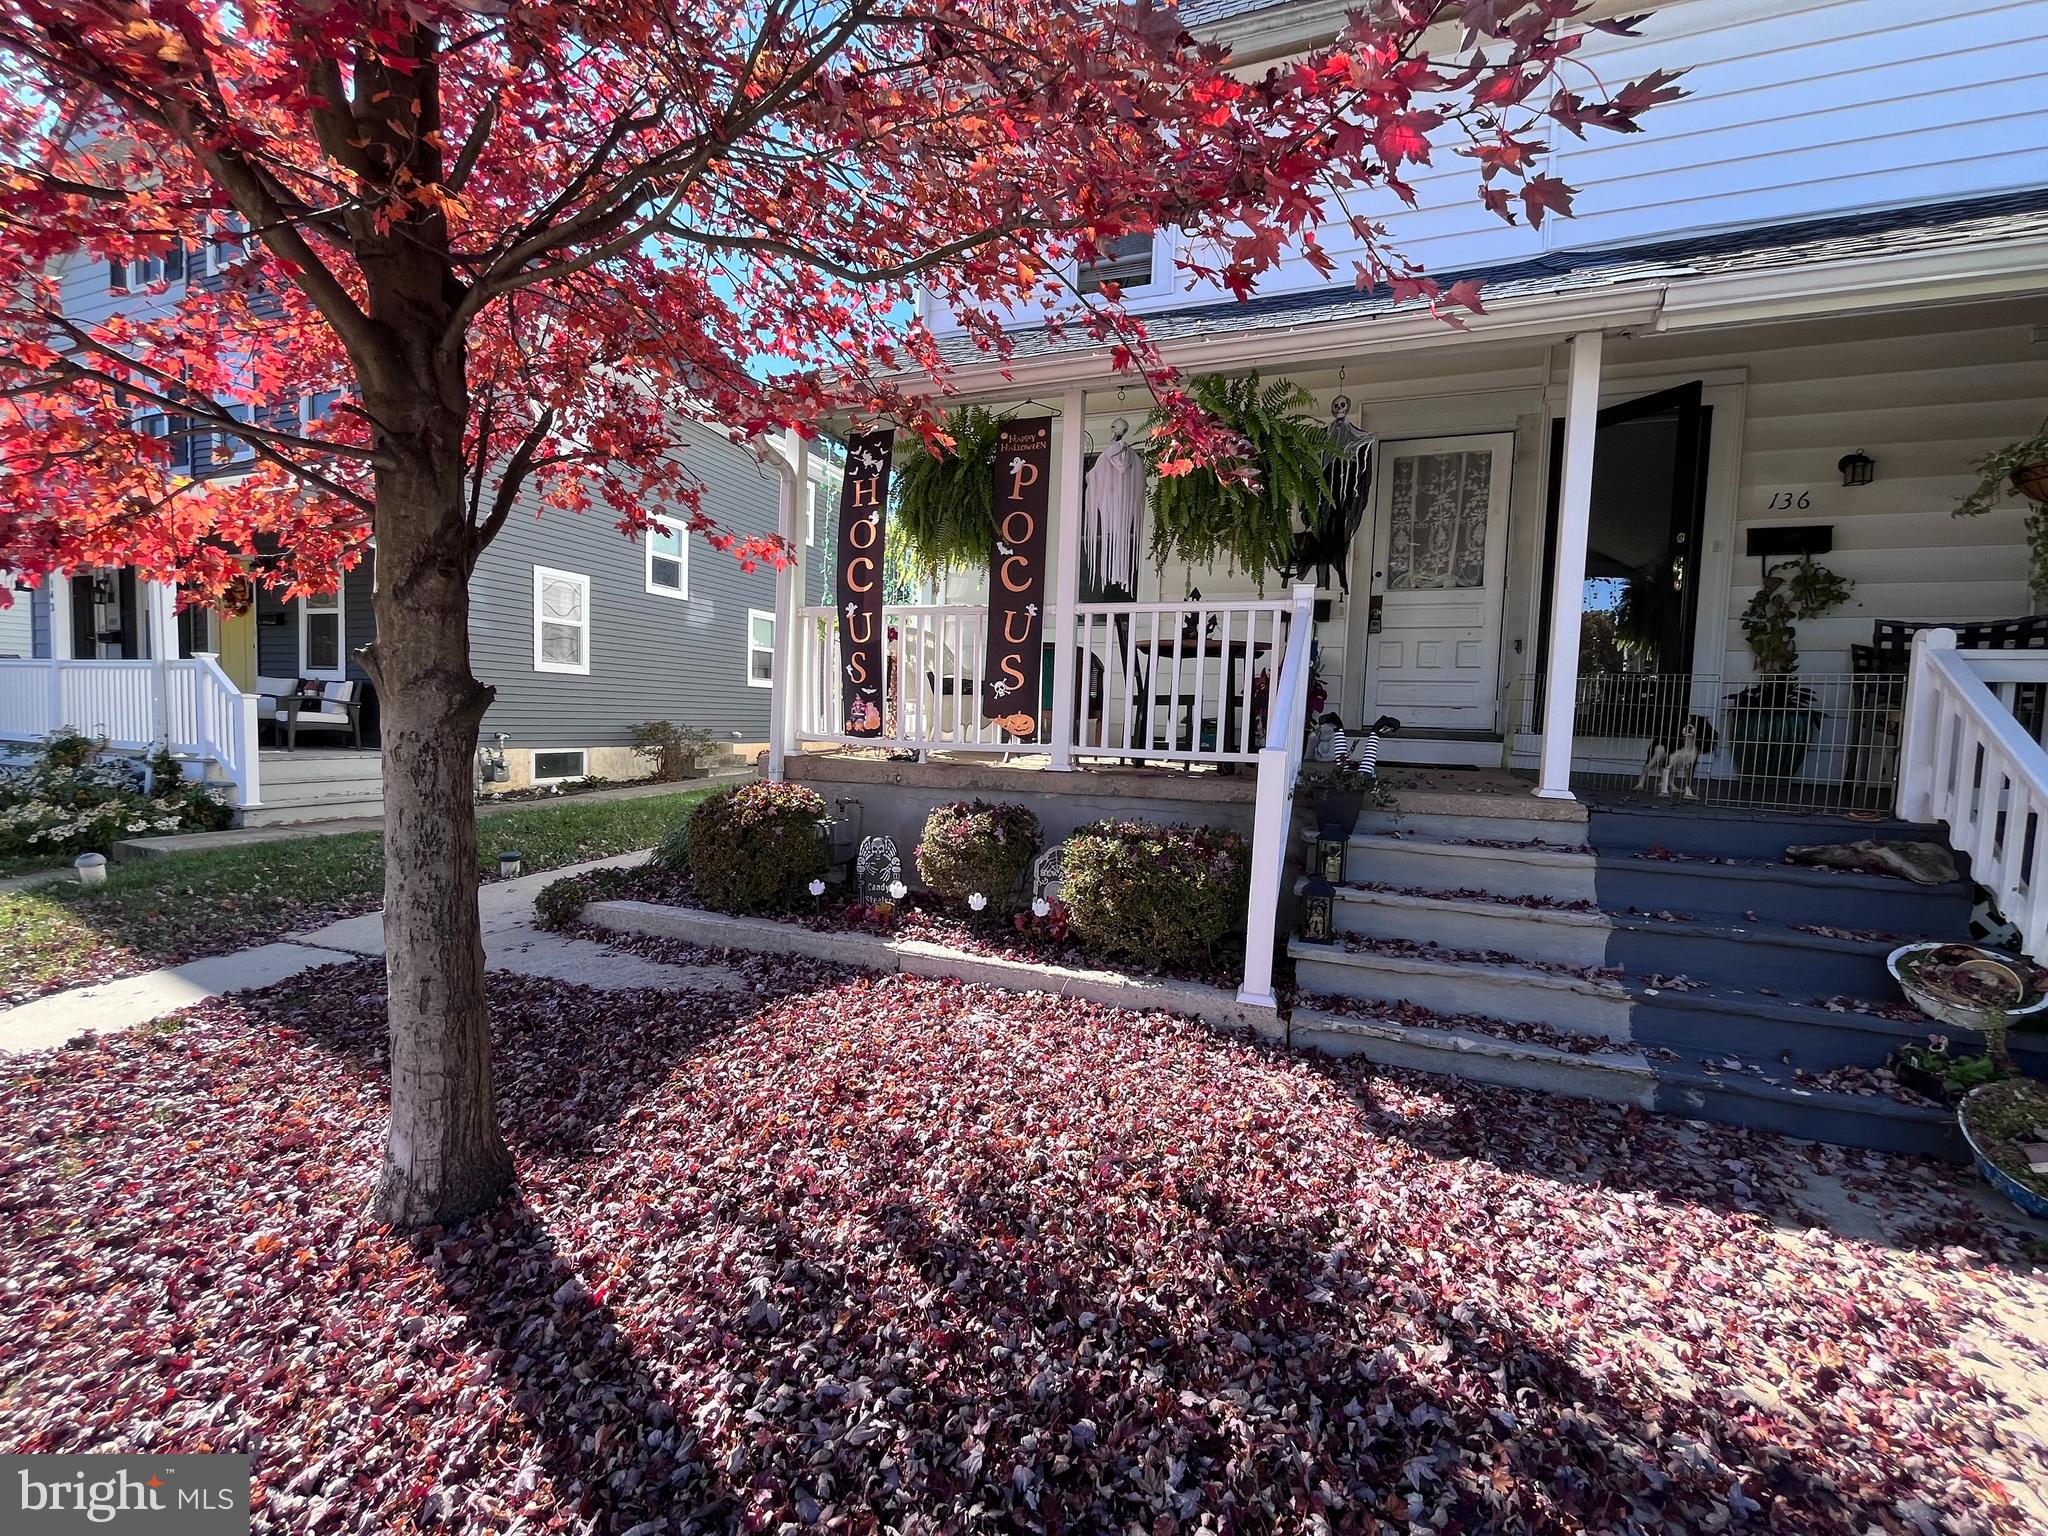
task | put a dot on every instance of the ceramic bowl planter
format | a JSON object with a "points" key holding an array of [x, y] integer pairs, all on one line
{"points": [[1965, 984], [1994, 1108]]}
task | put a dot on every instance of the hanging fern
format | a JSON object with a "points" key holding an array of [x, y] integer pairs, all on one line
{"points": [[945, 506], [1201, 518]]}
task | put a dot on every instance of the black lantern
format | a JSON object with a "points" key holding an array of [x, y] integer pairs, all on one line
{"points": [[1858, 468], [1330, 856], [1318, 911]]}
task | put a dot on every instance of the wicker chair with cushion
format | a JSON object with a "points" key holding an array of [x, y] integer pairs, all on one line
{"points": [[321, 707]]}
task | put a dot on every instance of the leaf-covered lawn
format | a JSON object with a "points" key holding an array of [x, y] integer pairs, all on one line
{"points": [[903, 1254], [168, 910]]}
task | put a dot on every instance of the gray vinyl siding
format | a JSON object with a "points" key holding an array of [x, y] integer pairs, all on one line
{"points": [[277, 624], [652, 657], [39, 622]]}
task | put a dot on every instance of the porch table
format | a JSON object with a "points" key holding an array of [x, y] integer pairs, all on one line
{"points": [[1236, 655]]}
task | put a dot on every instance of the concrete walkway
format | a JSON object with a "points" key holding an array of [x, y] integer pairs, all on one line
{"points": [[511, 944], [132, 848]]}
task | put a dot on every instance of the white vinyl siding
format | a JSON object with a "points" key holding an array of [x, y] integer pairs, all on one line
{"points": [[561, 621], [668, 559], [760, 649]]}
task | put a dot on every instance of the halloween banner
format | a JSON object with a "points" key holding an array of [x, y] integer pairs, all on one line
{"points": [[863, 502], [1016, 577]]}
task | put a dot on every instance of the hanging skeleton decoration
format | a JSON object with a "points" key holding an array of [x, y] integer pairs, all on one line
{"points": [[1110, 514], [1325, 545]]}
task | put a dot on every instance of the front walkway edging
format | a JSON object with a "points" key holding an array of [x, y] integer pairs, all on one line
{"points": [[916, 957]]}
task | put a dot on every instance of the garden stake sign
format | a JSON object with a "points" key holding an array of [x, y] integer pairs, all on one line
{"points": [[863, 496], [1016, 570]]}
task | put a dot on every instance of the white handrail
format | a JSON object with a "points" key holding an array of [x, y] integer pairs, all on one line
{"points": [[1966, 761], [189, 705], [1273, 812]]}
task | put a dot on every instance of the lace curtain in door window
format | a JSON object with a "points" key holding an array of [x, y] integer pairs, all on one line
{"points": [[1436, 527]]}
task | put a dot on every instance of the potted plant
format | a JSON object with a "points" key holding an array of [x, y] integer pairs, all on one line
{"points": [[945, 501], [1212, 513], [2006, 1127], [2021, 467], [1338, 793], [1773, 721], [1936, 1072], [1970, 986]]}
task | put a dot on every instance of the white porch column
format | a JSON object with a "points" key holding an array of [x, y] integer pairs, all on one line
{"points": [[1066, 576], [1575, 498], [785, 694], [160, 621]]}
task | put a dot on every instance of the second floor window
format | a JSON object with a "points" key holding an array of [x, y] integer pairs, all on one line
{"points": [[668, 560], [1125, 261]]}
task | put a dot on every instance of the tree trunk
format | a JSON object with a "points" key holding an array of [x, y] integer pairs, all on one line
{"points": [[445, 1158]]}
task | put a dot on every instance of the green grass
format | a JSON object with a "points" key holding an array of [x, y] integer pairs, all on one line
{"points": [[171, 909]]}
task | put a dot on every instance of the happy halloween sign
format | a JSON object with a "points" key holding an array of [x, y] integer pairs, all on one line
{"points": [[863, 497], [1016, 569]]}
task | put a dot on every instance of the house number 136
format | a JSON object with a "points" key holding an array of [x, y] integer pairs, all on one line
{"points": [[1791, 499]]}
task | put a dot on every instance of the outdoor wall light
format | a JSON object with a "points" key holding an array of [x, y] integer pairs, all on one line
{"points": [[1318, 911], [1857, 468]]}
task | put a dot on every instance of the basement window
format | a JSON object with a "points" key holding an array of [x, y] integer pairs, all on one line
{"points": [[560, 767]]}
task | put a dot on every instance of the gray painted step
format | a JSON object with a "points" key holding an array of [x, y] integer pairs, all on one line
{"points": [[1716, 1022], [1625, 882], [1615, 1077], [1519, 993], [1849, 1120], [1784, 893], [1757, 955], [1733, 834]]}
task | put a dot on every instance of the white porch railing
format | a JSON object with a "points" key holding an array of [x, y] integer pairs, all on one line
{"points": [[1273, 813], [1163, 682], [191, 704], [1966, 760]]}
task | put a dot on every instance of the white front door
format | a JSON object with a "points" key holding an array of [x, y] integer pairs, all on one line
{"points": [[1439, 543]]}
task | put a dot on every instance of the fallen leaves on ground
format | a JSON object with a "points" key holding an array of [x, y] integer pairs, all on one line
{"points": [[868, 1253]]}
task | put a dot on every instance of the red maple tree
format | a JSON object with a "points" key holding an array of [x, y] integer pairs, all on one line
{"points": [[517, 243]]}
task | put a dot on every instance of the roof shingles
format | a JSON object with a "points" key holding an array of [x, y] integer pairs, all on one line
{"points": [[1837, 238]]}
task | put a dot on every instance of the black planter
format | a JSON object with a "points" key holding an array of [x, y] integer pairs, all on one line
{"points": [[1771, 743], [1921, 1081], [1337, 811]]}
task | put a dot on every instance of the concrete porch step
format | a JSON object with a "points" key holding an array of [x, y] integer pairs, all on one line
{"points": [[1616, 1077], [1498, 989], [1423, 862], [302, 767], [276, 814]]}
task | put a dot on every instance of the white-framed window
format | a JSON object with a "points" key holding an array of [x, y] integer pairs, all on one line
{"points": [[229, 448], [561, 621], [315, 408], [668, 558], [323, 638], [227, 242], [558, 767], [1126, 260], [152, 421], [144, 271], [760, 648]]}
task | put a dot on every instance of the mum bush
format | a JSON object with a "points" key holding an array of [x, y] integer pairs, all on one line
{"points": [[1169, 897], [70, 798], [970, 847], [756, 847]]}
